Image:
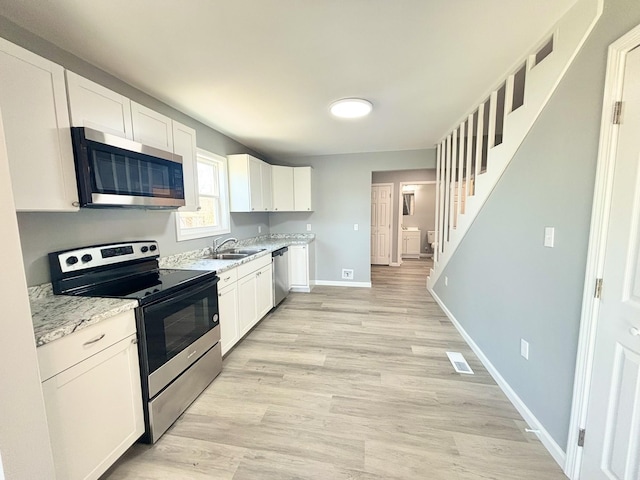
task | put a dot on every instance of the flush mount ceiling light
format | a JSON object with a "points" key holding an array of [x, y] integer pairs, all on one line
{"points": [[351, 108]]}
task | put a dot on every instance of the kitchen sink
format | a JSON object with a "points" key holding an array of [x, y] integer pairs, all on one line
{"points": [[236, 253], [229, 256]]}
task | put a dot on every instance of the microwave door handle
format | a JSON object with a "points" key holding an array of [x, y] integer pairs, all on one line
{"points": [[188, 292]]}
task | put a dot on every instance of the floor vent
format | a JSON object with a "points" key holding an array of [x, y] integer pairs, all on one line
{"points": [[459, 363]]}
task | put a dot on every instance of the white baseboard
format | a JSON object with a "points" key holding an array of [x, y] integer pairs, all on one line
{"points": [[395, 264], [547, 440], [328, 283], [300, 289]]}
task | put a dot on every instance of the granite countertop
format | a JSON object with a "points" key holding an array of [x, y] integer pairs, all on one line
{"points": [[197, 259], [55, 316]]}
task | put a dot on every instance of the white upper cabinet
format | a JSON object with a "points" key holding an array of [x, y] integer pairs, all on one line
{"points": [[94, 106], [282, 188], [302, 189], [249, 184], [35, 119], [265, 173], [151, 128], [184, 144]]}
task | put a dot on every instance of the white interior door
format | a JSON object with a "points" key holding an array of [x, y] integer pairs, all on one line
{"points": [[381, 223], [612, 440]]}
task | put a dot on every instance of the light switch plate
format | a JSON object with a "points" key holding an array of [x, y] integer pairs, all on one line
{"points": [[524, 348], [549, 236], [308, 227], [355, 227]]}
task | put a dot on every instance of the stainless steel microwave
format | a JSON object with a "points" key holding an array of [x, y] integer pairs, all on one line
{"points": [[116, 172]]}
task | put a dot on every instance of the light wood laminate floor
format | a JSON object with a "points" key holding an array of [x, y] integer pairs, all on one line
{"points": [[348, 383]]}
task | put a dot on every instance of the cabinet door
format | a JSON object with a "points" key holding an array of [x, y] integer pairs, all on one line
{"points": [[265, 174], [33, 104], [184, 144], [298, 266], [247, 305], [151, 128], [239, 181], [229, 316], [255, 184], [94, 106], [94, 411], [264, 295], [413, 243], [282, 188], [302, 189]]}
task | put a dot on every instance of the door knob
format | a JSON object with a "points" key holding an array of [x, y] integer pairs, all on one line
{"points": [[634, 331]]}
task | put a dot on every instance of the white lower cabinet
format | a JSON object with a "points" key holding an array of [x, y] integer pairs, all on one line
{"points": [[254, 299], [301, 267], [228, 309], [94, 407], [411, 243], [264, 290]]}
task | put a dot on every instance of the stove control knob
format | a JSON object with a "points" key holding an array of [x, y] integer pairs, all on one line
{"points": [[86, 258], [72, 260], [153, 248], [144, 249]]}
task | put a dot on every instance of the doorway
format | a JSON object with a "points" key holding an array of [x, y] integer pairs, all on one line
{"points": [[416, 218]]}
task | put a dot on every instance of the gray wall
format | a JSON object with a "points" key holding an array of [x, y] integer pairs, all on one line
{"points": [[41, 233], [503, 284], [342, 197], [425, 213]]}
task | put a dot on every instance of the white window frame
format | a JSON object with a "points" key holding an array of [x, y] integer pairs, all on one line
{"points": [[225, 217]]}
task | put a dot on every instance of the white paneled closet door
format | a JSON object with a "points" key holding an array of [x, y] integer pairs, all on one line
{"points": [[381, 223]]}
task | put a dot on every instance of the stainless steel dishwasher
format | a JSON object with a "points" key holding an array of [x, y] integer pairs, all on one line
{"points": [[280, 275]]}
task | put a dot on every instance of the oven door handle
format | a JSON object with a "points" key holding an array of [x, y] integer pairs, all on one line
{"points": [[186, 293]]}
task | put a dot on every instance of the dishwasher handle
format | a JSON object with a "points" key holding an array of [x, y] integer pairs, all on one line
{"points": [[279, 252]]}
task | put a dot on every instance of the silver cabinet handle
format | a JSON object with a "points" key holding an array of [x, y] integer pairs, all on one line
{"points": [[227, 279], [95, 340], [634, 331], [219, 294], [75, 204], [191, 354], [134, 341]]}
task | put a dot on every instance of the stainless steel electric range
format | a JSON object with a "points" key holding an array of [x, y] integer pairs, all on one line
{"points": [[177, 320]]}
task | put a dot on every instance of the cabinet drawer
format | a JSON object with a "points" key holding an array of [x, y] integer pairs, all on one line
{"points": [[227, 278], [65, 352], [250, 267]]}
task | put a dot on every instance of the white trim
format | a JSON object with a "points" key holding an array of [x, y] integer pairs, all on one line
{"points": [[329, 283], [300, 289], [225, 227], [600, 215], [549, 443], [395, 264]]}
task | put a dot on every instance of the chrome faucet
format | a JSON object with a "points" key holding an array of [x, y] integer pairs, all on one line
{"points": [[217, 246]]}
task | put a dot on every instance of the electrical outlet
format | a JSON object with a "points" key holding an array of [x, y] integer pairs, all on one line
{"points": [[347, 274], [308, 227], [524, 348]]}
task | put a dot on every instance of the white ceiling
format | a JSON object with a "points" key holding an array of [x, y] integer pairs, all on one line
{"points": [[265, 71]]}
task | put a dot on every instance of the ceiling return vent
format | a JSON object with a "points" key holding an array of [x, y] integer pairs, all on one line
{"points": [[459, 363]]}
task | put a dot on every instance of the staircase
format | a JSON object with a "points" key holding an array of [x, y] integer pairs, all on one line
{"points": [[473, 156]]}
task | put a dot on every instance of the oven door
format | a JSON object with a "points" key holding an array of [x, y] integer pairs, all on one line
{"points": [[178, 331]]}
